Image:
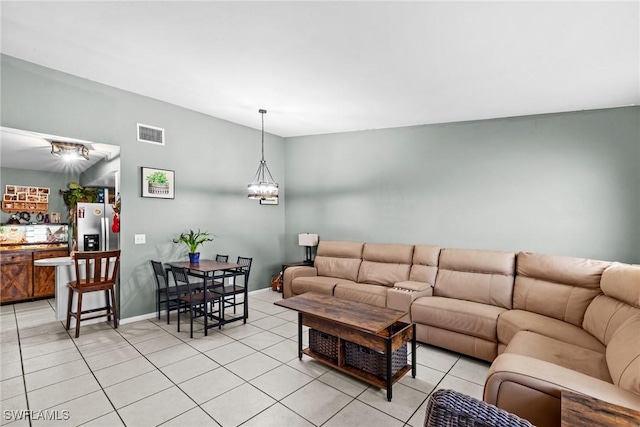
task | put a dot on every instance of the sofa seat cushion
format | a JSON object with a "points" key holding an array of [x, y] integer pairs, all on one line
{"points": [[514, 321], [465, 317], [570, 356], [361, 292], [321, 284]]}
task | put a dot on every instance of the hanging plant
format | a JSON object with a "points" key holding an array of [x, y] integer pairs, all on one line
{"points": [[77, 193]]}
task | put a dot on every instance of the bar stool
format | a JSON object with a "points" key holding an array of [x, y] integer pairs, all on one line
{"points": [[95, 272]]}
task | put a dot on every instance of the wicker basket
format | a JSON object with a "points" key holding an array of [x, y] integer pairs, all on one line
{"points": [[374, 362], [322, 343]]}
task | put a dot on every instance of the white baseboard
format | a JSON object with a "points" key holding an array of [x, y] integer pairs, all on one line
{"points": [[148, 316]]}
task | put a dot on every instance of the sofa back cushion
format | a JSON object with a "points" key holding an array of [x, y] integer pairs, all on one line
{"points": [[384, 264], [620, 284], [425, 264], [476, 275], [339, 259], [623, 355], [557, 286]]}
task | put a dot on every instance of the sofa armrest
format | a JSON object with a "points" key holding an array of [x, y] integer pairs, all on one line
{"points": [[402, 295], [531, 388], [293, 272]]}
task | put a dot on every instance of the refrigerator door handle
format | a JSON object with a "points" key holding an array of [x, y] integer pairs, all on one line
{"points": [[107, 244]]}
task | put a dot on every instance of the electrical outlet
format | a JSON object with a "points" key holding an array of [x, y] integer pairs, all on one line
{"points": [[139, 239]]}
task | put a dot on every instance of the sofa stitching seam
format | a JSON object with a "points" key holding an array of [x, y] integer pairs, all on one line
{"points": [[625, 369]]}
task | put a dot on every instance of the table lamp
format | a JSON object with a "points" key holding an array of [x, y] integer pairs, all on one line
{"points": [[307, 240]]}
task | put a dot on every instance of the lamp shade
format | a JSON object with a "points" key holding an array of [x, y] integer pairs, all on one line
{"points": [[307, 239]]}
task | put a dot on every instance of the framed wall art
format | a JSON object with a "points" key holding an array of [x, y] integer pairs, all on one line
{"points": [[158, 183]]}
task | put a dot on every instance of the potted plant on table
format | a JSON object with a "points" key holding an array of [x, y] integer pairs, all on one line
{"points": [[193, 240]]}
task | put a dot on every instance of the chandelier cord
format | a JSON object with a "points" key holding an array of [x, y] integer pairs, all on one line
{"points": [[262, 113]]}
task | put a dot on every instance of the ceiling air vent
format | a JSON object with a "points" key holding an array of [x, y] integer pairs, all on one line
{"points": [[150, 134]]}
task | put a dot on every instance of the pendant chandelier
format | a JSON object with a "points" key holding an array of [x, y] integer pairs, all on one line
{"points": [[263, 186]]}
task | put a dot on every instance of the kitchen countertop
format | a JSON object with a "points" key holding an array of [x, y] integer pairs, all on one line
{"points": [[64, 260], [39, 247]]}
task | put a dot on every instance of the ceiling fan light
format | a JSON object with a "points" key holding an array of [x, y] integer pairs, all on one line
{"points": [[69, 151]]}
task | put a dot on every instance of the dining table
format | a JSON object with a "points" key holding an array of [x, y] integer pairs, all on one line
{"points": [[206, 269]]}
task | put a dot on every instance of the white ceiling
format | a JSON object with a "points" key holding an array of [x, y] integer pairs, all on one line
{"points": [[20, 149], [323, 67]]}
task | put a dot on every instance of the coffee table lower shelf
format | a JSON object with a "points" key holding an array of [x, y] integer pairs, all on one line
{"points": [[361, 340], [358, 373]]}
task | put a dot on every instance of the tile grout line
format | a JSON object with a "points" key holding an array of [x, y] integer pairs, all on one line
{"points": [[24, 380], [259, 330], [92, 374]]}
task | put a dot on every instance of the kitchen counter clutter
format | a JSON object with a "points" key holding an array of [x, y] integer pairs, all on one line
{"points": [[23, 234], [21, 246]]}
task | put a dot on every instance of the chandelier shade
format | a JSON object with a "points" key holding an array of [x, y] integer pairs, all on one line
{"points": [[263, 185], [69, 150]]}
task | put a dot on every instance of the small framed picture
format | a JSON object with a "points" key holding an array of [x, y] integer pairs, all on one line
{"points": [[43, 191], [269, 201], [21, 189], [22, 196], [33, 191], [10, 197], [158, 183], [33, 198], [10, 189]]}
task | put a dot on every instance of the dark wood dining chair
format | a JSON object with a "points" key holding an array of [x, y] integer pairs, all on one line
{"points": [[165, 293], [198, 302], [95, 272], [231, 290], [218, 278]]}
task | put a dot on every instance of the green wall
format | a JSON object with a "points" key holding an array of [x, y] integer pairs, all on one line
{"points": [[566, 184], [213, 160]]}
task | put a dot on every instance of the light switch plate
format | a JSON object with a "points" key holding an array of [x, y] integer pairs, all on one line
{"points": [[140, 239]]}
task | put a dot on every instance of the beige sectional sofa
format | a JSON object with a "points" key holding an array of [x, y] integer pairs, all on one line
{"points": [[547, 323]]}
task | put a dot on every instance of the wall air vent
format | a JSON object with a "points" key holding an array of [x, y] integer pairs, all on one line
{"points": [[150, 134]]}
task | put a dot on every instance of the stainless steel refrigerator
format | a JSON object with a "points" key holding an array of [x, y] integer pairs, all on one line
{"points": [[93, 227]]}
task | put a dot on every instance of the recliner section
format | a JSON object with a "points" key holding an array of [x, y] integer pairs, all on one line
{"points": [[547, 323]]}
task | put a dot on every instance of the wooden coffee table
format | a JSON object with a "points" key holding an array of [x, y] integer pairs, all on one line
{"points": [[579, 410], [370, 326]]}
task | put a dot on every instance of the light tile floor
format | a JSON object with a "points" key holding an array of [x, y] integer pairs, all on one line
{"points": [[147, 374]]}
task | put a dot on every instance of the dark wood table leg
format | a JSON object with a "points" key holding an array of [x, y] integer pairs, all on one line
{"points": [[389, 356], [299, 335], [246, 299], [206, 315]]}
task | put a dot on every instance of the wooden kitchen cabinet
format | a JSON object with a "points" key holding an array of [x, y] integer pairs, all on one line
{"points": [[44, 278], [20, 280], [16, 269]]}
